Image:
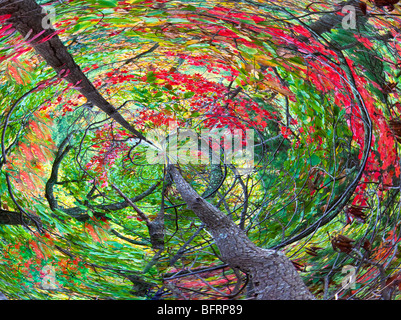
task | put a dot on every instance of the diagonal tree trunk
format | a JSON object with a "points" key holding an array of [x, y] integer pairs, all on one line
{"points": [[273, 275], [330, 21], [2, 296], [26, 18], [12, 218]]}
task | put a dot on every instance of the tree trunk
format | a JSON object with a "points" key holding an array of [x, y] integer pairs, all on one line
{"points": [[332, 20], [12, 218], [26, 18], [2, 296], [273, 275]]}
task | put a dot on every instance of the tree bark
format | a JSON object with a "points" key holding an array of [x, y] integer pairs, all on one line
{"points": [[2, 296], [330, 21], [12, 218], [273, 275], [26, 18]]}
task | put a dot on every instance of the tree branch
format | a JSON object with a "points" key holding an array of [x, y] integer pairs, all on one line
{"points": [[272, 273], [26, 18]]}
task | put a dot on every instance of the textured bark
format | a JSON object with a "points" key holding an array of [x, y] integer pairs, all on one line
{"points": [[26, 18], [2, 296], [273, 275], [330, 20], [155, 226], [12, 218]]}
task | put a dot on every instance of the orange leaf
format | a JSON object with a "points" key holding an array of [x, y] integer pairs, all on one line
{"points": [[275, 86]]}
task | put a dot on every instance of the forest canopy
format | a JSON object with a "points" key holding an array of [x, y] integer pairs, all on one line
{"points": [[189, 150]]}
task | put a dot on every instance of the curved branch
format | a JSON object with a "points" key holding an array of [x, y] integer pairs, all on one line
{"points": [[26, 18], [271, 271]]}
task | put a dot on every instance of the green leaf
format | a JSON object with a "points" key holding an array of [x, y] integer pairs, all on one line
{"points": [[314, 160], [177, 20], [189, 8], [188, 94], [150, 77], [108, 3], [248, 50], [198, 45], [82, 25]]}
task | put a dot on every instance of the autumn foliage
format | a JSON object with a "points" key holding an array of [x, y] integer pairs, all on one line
{"points": [[82, 196]]}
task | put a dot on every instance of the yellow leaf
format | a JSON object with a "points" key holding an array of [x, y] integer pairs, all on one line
{"points": [[265, 61], [275, 86]]}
